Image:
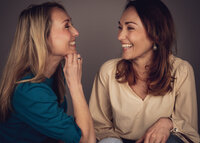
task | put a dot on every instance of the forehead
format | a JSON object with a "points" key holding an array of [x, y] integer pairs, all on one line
{"points": [[130, 14], [58, 15]]}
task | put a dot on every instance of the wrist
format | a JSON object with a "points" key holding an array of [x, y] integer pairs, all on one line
{"points": [[75, 88], [74, 85], [71, 82], [167, 122]]}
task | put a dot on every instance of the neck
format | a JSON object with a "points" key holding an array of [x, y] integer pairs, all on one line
{"points": [[51, 65], [141, 63]]}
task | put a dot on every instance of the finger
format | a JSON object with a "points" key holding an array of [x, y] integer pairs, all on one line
{"points": [[65, 62], [79, 65], [159, 139], [147, 137], [164, 139], [78, 56], [140, 140], [69, 59], [152, 138], [74, 58], [79, 60]]}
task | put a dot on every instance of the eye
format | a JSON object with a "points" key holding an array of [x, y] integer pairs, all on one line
{"points": [[67, 25], [130, 28], [119, 27]]}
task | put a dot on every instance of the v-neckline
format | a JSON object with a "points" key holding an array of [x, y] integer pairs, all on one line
{"points": [[135, 94]]}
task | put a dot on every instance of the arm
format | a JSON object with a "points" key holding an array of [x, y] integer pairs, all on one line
{"points": [[37, 105], [100, 106], [72, 72], [184, 117], [158, 132]]}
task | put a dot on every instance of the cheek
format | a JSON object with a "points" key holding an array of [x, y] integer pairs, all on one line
{"points": [[59, 44], [133, 38], [147, 43], [61, 40], [140, 40]]}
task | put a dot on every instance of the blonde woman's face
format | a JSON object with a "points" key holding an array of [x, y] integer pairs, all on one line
{"points": [[62, 34]]}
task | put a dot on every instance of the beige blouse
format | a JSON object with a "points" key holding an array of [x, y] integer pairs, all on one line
{"points": [[118, 112]]}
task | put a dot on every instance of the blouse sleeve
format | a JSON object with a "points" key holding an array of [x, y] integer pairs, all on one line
{"points": [[100, 107], [184, 117], [36, 105]]}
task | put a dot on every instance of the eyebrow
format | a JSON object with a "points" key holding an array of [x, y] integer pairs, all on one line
{"points": [[128, 22], [67, 20]]}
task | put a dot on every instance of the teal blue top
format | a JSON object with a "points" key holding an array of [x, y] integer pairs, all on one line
{"points": [[38, 117]]}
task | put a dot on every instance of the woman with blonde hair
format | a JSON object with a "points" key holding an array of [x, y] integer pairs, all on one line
{"points": [[148, 95], [32, 88]]}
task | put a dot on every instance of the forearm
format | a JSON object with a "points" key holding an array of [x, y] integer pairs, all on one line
{"points": [[81, 113], [100, 109]]}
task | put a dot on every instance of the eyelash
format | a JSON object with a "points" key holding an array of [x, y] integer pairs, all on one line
{"points": [[129, 28], [67, 26], [119, 27]]}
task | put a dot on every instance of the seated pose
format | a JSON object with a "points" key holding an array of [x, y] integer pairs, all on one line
{"points": [[32, 90], [148, 95]]}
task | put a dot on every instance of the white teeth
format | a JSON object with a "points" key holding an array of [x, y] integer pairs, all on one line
{"points": [[72, 43], [126, 45]]}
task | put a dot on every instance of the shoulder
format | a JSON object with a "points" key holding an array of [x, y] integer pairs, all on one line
{"points": [[109, 65], [107, 70], [181, 67], [34, 91], [182, 71]]}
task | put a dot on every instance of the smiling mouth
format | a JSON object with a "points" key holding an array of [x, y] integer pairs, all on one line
{"points": [[73, 43], [126, 46]]}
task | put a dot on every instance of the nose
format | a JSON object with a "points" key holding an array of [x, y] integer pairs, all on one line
{"points": [[121, 35], [75, 32]]}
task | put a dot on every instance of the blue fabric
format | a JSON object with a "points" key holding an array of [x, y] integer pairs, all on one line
{"points": [[174, 139], [38, 117]]}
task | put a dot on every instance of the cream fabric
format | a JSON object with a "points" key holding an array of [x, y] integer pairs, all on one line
{"points": [[118, 112]]}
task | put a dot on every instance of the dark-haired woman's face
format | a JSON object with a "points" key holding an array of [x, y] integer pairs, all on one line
{"points": [[133, 37]]}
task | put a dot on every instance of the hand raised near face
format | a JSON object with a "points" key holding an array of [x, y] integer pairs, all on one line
{"points": [[158, 133], [73, 69]]}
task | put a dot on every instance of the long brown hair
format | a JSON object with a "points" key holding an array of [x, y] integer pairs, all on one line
{"points": [[159, 26], [28, 54]]}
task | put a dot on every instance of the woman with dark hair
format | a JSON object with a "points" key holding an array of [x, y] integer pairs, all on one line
{"points": [[32, 89], [148, 95]]}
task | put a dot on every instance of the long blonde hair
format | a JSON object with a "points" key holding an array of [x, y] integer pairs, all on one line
{"points": [[28, 54]]}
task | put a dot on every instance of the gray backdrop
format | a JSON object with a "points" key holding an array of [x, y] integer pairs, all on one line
{"points": [[97, 22]]}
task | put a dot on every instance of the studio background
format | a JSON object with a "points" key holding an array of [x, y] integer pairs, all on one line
{"points": [[97, 23]]}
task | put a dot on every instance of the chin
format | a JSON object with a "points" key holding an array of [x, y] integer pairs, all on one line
{"points": [[125, 57], [72, 52]]}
